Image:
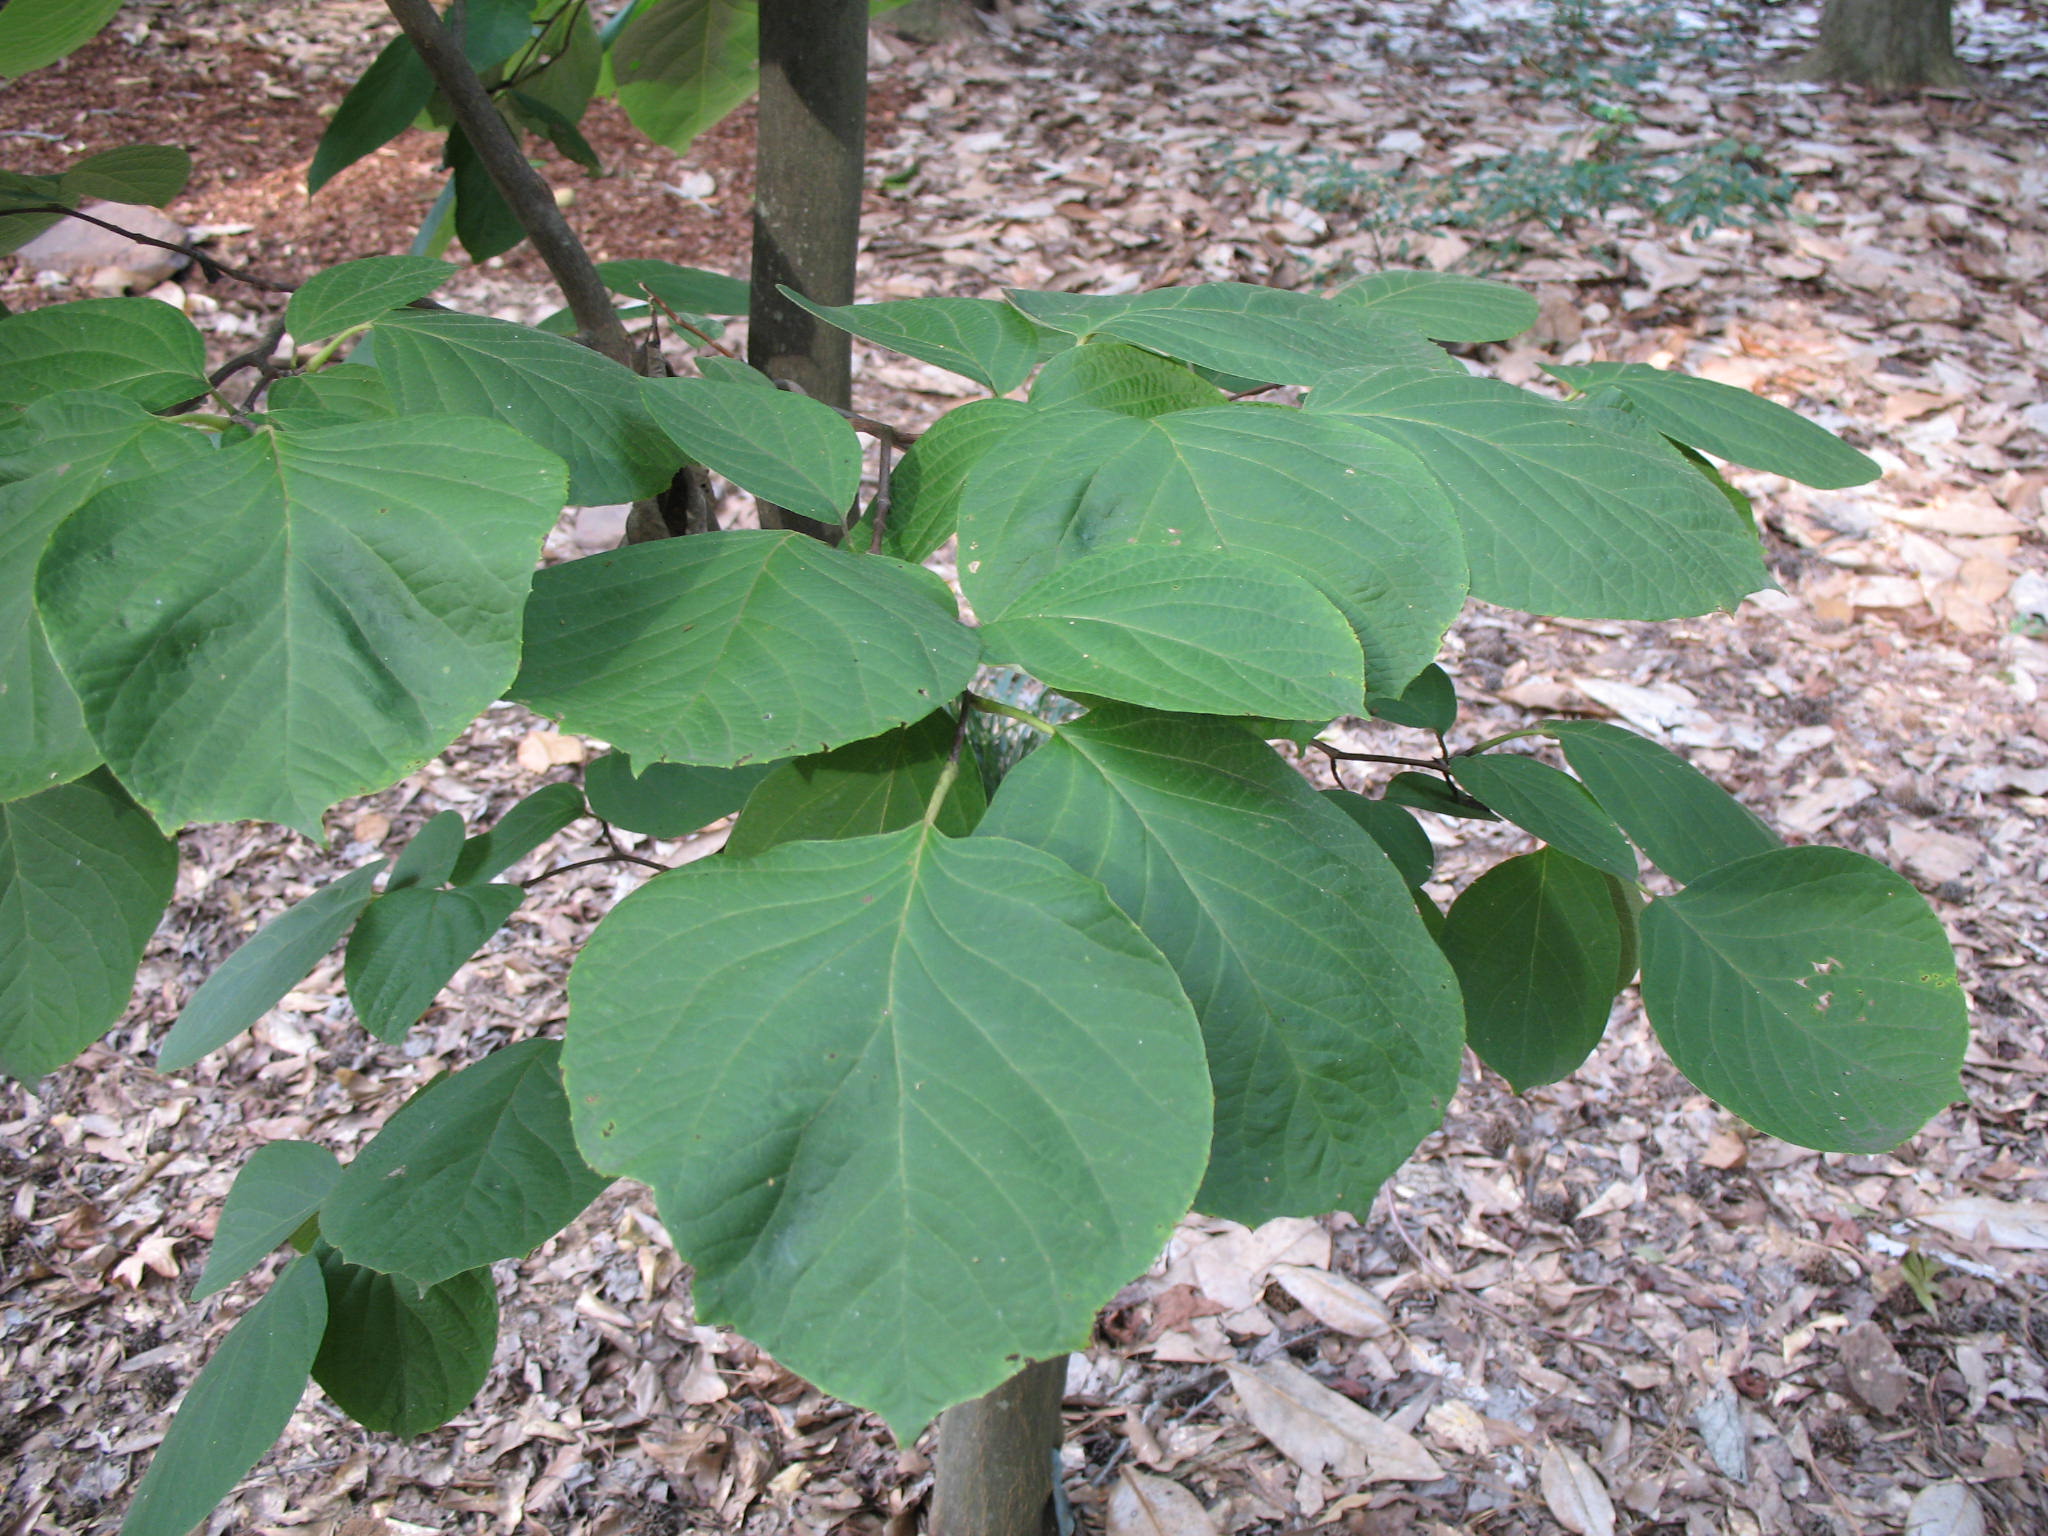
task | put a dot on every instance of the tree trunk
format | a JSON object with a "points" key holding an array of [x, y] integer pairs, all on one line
{"points": [[812, 138], [1886, 46], [993, 1476]]}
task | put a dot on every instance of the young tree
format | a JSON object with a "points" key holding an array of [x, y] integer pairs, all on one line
{"points": [[1886, 46], [930, 1060]]}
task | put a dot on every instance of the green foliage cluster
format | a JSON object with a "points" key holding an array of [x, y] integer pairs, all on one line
{"points": [[932, 1057]]}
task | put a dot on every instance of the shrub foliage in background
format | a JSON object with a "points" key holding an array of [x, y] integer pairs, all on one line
{"points": [[1028, 937]]}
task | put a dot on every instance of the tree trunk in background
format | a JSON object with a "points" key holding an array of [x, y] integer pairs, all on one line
{"points": [[812, 138], [993, 1474], [1886, 46]]}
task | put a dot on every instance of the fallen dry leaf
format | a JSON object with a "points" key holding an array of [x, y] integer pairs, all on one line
{"points": [[1944, 1509], [1144, 1505], [1574, 1493], [541, 750], [1877, 1376], [2001, 1223], [1319, 1431], [1335, 1301]]}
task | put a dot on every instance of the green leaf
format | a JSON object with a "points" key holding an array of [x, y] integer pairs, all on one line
{"points": [[1394, 828], [409, 943], [84, 877], [1813, 992], [151, 174], [393, 91], [839, 1158], [571, 77], [692, 290], [484, 221], [492, 30], [730, 370], [299, 617], [1686, 823], [1264, 335], [89, 441], [400, 1360], [1554, 806], [978, 339], [19, 192], [682, 65], [1113, 377], [865, 787], [554, 125], [38, 32], [1359, 518], [924, 491], [1173, 629], [1565, 512], [334, 397], [429, 859], [476, 1167], [668, 649], [666, 800], [1444, 305], [572, 401], [281, 1184], [1730, 423], [1427, 792], [518, 832], [139, 349], [1429, 703], [357, 292], [1331, 1019], [249, 983], [784, 448], [237, 1408], [1537, 947]]}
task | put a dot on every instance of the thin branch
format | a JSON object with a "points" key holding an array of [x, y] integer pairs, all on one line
{"points": [[256, 357], [214, 270], [682, 324], [602, 858], [878, 509], [524, 189], [1339, 754]]}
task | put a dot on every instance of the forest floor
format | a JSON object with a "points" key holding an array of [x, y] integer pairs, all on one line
{"points": [[1603, 1306]]}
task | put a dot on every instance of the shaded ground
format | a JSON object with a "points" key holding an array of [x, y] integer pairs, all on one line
{"points": [[1720, 1328]]}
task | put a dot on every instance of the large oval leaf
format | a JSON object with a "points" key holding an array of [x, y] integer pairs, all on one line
{"points": [[279, 1187], [236, 1409], [1731, 423], [1537, 944], [300, 617], [1445, 305], [84, 878], [89, 441], [357, 292], [782, 447], [1113, 377], [380, 106], [1564, 512], [1354, 515], [409, 943], [681, 65], [666, 800], [925, 489], [913, 1107], [572, 401], [139, 349], [38, 32], [1554, 806], [399, 1358], [476, 1167], [1813, 992], [978, 339], [878, 785], [738, 647], [1271, 335], [152, 174], [1206, 633], [1332, 1021], [692, 290]]}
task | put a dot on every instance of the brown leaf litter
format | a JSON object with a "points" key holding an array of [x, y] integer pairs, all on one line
{"points": [[1603, 1306]]}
